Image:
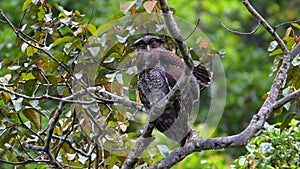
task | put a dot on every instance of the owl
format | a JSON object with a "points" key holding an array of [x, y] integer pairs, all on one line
{"points": [[158, 72]]}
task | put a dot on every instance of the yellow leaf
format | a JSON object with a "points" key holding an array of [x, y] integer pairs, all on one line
{"points": [[9, 155], [287, 33], [92, 29], [33, 116], [26, 4], [278, 112], [264, 97]]}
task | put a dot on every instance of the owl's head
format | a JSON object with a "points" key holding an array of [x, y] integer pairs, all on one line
{"points": [[147, 43]]}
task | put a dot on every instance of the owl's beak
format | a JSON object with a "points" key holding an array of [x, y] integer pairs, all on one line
{"points": [[148, 48]]}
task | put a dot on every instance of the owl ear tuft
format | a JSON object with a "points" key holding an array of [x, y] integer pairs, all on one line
{"points": [[156, 38], [146, 40]]}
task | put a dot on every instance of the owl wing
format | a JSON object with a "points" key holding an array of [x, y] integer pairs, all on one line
{"points": [[173, 121], [174, 66]]}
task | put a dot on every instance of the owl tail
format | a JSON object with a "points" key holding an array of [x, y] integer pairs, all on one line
{"points": [[203, 75]]}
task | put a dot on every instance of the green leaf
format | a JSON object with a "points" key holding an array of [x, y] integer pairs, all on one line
{"points": [[296, 25], [30, 51], [286, 121], [259, 155], [30, 86], [41, 13], [290, 43], [92, 29], [9, 155], [2, 104], [132, 94], [276, 52], [66, 31], [6, 97], [26, 4], [27, 76], [33, 116], [63, 40]]}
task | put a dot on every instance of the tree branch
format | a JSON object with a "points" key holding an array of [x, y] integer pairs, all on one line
{"points": [[51, 127], [121, 100], [241, 33], [267, 26], [286, 99], [26, 162], [198, 144], [176, 33]]}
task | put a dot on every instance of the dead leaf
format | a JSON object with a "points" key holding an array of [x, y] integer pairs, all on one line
{"points": [[149, 6], [125, 6]]}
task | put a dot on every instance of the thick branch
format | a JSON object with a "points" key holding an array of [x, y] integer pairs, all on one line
{"points": [[199, 144], [176, 33], [141, 144], [286, 99], [52, 125]]}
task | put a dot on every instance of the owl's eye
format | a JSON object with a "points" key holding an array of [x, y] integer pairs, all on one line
{"points": [[142, 46], [154, 44]]}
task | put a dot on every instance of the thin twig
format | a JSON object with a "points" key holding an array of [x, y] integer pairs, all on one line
{"points": [[195, 28], [26, 162], [241, 33], [285, 23], [121, 100], [68, 99]]}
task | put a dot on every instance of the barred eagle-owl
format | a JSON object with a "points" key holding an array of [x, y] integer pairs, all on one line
{"points": [[158, 71]]}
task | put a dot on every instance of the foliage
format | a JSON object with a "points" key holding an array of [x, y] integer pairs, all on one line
{"points": [[53, 39], [42, 68], [273, 147]]}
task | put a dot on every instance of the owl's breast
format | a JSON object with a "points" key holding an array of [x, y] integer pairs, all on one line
{"points": [[160, 59], [148, 60]]}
